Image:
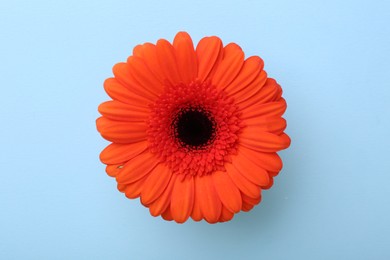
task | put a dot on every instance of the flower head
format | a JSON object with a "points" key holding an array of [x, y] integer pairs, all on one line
{"points": [[194, 132]]}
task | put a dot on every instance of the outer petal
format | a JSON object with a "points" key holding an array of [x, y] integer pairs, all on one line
{"points": [[119, 153], [275, 125], [186, 57], [210, 203], [271, 182], [196, 211], [148, 52], [162, 203], [269, 161], [113, 169], [167, 214], [248, 203], [122, 72], [121, 187], [121, 132], [229, 67], [230, 49], [118, 91], [226, 215], [133, 190], [116, 110], [155, 184], [168, 63], [144, 76], [251, 170], [267, 110], [250, 70], [264, 142], [182, 199], [271, 91], [227, 191], [209, 53], [248, 91], [247, 187], [136, 168]]}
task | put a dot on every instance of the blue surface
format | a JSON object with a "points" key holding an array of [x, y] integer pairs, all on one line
{"points": [[332, 199]]}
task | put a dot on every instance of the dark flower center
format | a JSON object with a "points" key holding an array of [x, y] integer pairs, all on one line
{"points": [[194, 127]]}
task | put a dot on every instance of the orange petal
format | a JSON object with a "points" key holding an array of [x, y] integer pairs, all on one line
{"points": [[122, 72], [227, 191], [167, 214], [248, 203], [162, 202], [113, 169], [137, 50], [155, 184], [268, 161], [267, 110], [250, 70], [148, 52], [119, 153], [264, 142], [118, 91], [210, 204], [196, 214], [250, 170], [271, 182], [230, 49], [229, 67], [123, 112], [247, 207], [248, 91], [247, 187], [196, 211], [121, 187], [275, 125], [167, 60], [133, 190], [182, 200], [186, 57], [209, 53], [137, 167], [249, 200], [121, 132], [271, 91], [143, 75], [226, 215]]}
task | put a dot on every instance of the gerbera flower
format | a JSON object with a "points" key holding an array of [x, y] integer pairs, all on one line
{"points": [[194, 132]]}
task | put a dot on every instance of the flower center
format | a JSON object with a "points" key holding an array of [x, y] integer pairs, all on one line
{"points": [[194, 127]]}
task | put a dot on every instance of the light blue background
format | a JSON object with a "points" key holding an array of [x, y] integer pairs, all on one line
{"points": [[332, 199]]}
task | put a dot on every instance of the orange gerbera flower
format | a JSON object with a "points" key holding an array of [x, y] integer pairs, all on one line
{"points": [[194, 132]]}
